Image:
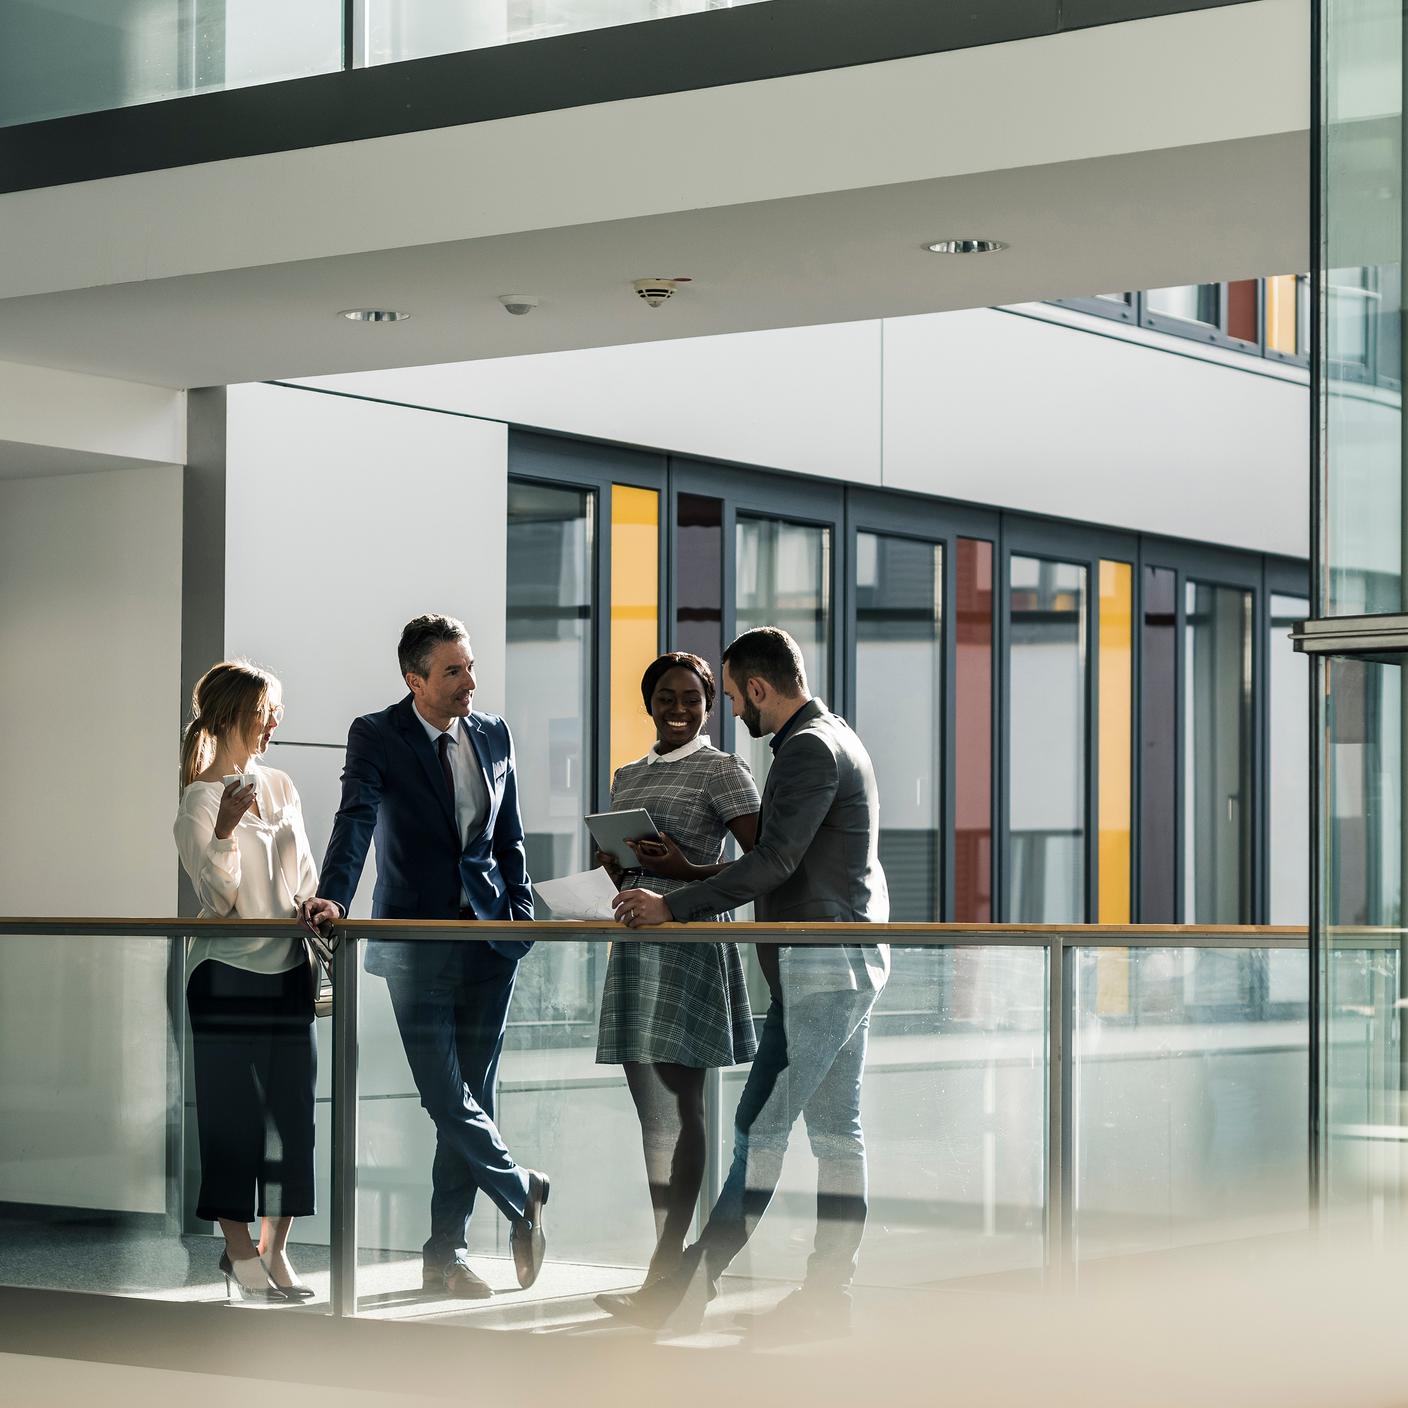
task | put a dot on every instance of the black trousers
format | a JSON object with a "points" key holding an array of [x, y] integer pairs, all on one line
{"points": [[255, 1066]]}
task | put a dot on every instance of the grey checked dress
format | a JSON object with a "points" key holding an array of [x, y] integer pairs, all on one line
{"points": [[686, 1004]]}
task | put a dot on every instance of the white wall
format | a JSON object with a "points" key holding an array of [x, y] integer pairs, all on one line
{"points": [[90, 630], [346, 518], [81, 419], [1025, 414], [986, 406]]}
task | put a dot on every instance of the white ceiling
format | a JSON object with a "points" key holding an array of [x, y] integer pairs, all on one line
{"points": [[794, 202]]}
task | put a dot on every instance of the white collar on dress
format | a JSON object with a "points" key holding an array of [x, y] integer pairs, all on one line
{"points": [[700, 740]]}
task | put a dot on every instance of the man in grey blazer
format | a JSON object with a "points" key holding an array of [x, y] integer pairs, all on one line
{"points": [[816, 859]]}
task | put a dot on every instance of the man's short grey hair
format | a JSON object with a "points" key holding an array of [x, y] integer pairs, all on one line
{"points": [[421, 636]]}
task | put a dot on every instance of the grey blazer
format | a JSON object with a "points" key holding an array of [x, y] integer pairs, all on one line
{"points": [[816, 856]]}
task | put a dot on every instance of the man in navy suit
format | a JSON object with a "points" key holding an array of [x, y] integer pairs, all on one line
{"points": [[434, 784]]}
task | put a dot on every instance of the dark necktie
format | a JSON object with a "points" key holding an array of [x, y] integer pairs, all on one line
{"points": [[442, 746]]}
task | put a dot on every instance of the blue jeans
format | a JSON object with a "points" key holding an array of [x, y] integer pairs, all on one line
{"points": [[810, 1061], [453, 1035]]}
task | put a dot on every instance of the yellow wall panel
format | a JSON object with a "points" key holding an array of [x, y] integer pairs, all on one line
{"points": [[1116, 739], [635, 616], [1281, 314]]}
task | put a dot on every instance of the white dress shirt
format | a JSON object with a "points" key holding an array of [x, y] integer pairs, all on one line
{"points": [[471, 793], [263, 870]]}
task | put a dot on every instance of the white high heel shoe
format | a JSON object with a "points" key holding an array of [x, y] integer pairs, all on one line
{"points": [[252, 1279], [295, 1290]]}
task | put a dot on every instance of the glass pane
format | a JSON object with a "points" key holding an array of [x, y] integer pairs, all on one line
{"points": [[1362, 105], [392, 30], [1349, 314], [1194, 303], [1158, 776], [1362, 917], [1047, 798], [1289, 769], [1363, 794], [635, 616], [1362, 457], [59, 57], [699, 587], [1189, 1109], [1241, 309], [1217, 756], [1281, 315], [898, 637], [972, 732], [953, 1107], [549, 692], [784, 579], [555, 1108], [1116, 739], [95, 1079]]}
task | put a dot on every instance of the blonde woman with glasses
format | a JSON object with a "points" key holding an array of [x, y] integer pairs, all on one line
{"points": [[240, 833]]}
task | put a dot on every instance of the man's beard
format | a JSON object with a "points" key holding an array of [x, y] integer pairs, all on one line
{"points": [[752, 719]]}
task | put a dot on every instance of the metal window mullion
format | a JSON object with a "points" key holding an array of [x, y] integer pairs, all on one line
{"points": [[1092, 740], [948, 815], [343, 1232], [1001, 722], [1056, 1222]]}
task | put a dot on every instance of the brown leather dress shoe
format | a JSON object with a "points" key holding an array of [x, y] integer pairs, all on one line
{"points": [[456, 1280], [527, 1239]]}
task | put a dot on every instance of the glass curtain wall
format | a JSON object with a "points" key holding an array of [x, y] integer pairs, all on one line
{"points": [[699, 588], [1047, 793], [550, 689], [899, 710], [973, 732], [1158, 807], [1217, 755], [1360, 536], [783, 578]]}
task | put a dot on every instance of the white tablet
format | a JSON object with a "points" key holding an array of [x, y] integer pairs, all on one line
{"points": [[610, 831]]}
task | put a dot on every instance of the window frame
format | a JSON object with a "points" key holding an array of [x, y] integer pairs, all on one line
{"points": [[1057, 540], [761, 493], [568, 462], [847, 510], [920, 518]]}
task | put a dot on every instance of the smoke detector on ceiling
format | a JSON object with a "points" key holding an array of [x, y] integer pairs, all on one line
{"points": [[657, 291]]}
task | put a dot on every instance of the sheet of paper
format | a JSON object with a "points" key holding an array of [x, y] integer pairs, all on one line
{"points": [[587, 895]]}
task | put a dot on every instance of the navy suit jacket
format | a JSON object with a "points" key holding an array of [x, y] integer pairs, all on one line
{"points": [[393, 791]]}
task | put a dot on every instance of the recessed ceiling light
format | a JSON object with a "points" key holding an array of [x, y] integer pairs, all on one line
{"points": [[966, 246], [373, 315]]}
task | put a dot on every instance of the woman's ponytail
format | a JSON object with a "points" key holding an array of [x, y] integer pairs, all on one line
{"points": [[227, 699], [197, 749]]}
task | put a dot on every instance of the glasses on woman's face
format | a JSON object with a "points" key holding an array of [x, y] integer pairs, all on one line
{"points": [[272, 714]]}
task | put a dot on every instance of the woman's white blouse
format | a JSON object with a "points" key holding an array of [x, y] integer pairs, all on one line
{"points": [[263, 871]]}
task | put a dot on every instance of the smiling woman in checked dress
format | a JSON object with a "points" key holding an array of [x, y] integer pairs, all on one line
{"points": [[669, 1012]]}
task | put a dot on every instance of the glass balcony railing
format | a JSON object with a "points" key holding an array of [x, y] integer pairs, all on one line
{"points": [[63, 57], [389, 31], [1033, 1098]]}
